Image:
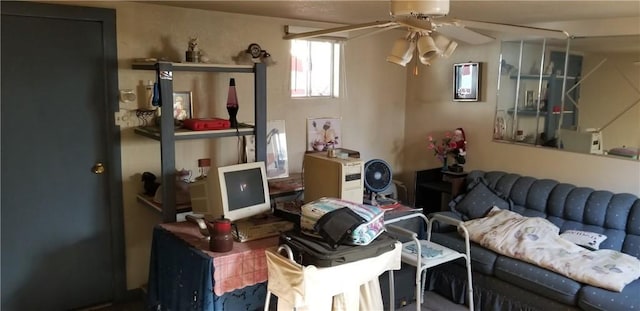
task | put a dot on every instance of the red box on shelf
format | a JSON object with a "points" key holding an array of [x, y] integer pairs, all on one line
{"points": [[206, 124]]}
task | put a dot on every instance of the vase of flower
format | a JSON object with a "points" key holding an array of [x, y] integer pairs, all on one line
{"points": [[453, 144]]}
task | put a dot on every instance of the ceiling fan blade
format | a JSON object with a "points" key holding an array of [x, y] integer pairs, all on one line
{"points": [[460, 33], [374, 32], [324, 32], [516, 29]]}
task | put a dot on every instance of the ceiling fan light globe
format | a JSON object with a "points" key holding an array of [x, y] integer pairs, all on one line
{"points": [[427, 47], [445, 45], [449, 49], [396, 60], [402, 52], [427, 60]]}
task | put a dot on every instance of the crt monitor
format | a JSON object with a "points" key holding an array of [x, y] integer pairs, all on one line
{"points": [[235, 192]]}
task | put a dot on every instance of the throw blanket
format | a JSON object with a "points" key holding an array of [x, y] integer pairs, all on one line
{"points": [[536, 240]]}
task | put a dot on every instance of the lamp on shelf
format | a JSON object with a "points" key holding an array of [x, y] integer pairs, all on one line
{"points": [[254, 54]]}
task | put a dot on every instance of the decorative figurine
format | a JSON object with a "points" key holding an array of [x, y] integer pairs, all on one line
{"points": [[459, 152], [192, 55]]}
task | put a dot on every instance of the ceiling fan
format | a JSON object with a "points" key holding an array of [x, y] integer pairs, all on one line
{"points": [[429, 31]]}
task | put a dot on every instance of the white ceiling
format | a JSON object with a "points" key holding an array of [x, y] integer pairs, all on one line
{"points": [[530, 12], [354, 12]]}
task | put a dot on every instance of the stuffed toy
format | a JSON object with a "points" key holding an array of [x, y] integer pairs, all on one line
{"points": [[460, 150]]}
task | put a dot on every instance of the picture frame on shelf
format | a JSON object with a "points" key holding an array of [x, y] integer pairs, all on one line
{"points": [[529, 99], [277, 165], [323, 133], [466, 81], [182, 105]]}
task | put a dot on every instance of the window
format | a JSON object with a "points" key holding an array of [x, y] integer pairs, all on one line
{"points": [[315, 66]]}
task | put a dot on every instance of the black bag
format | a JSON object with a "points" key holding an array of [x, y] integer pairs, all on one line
{"points": [[336, 225], [314, 251]]}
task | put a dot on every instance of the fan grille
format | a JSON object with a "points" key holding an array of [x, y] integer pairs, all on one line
{"points": [[377, 175]]}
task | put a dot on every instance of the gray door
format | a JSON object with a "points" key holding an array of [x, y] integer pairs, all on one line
{"points": [[62, 242]]}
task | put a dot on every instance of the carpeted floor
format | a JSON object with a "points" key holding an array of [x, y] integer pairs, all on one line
{"points": [[432, 302]]}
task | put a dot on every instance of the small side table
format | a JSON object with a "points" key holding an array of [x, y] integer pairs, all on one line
{"points": [[435, 188]]}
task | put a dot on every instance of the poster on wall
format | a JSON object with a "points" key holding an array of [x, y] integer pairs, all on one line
{"points": [[466, 82], [323, 133], [276, 163]]}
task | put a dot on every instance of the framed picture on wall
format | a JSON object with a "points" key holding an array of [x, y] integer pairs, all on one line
{"points": [[323, 133], [466, 81]]}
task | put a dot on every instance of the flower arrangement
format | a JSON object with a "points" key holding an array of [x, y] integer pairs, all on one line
{"points": [[442, 148], [453, 143]]}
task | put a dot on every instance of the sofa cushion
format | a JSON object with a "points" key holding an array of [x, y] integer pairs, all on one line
{"points": [[478, 201], [586, 239], [594, 298], [482, 259], [538, 280]]}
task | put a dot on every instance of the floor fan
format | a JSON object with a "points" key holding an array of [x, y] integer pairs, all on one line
{"points": [[377, 180]]}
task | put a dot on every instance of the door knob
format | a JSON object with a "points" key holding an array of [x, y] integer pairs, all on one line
{"points": [[98, 168]]}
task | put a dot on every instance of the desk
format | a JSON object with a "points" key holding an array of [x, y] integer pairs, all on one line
{"points": [[278, 188], [286, 186], [185, 275]]}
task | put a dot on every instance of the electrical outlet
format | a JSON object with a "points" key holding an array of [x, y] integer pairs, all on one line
{"points": [[125, 118], [118, 118]]}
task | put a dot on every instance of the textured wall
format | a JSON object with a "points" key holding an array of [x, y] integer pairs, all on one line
{"points": [[371, 104], [430, 110], [386, 111]]}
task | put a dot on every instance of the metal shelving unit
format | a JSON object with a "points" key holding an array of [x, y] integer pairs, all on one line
{"points": [[168, 135]]}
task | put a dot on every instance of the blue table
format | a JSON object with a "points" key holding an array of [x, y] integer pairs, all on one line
{"points": [[181, 277], [181, 271]]}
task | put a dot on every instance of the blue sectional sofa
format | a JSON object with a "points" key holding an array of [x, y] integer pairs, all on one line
{"points": [[503, 283]]}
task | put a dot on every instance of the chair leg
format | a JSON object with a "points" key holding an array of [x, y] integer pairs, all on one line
{"points": [[392, 292], [423, 279], [418, 291], [267, 301], [470, 285]]}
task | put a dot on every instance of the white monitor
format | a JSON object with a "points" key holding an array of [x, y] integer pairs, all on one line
{"points": [[235, 192]]}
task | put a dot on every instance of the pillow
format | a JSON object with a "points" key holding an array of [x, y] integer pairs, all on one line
{"points": [[478, 201], [586, 239]]}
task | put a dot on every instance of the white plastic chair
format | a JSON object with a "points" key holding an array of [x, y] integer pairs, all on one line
{"points": [[424, 254], [289, 252], [348, 286]]}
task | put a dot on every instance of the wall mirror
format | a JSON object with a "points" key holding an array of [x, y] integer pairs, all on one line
{"points": [[579, 95]]}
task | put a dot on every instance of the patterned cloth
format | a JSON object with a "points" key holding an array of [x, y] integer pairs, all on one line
{"points": [[361, 235], [536, 240], [185, 275], [244, 265]]}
